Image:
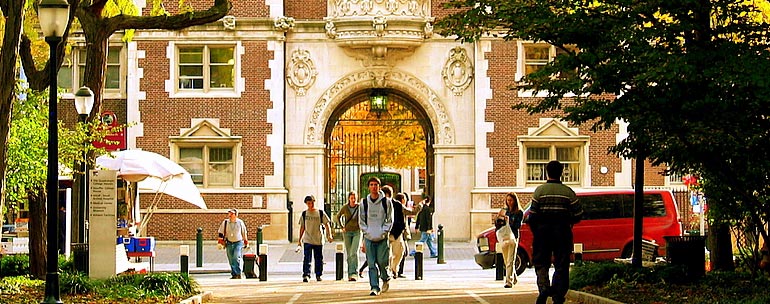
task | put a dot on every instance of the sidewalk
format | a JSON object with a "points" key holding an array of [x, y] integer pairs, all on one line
{"points": [[458, 280]]}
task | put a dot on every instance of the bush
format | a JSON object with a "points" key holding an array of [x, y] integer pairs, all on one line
{"points": [[13, 285], [14, 265], [74, 282], [593, 273]]}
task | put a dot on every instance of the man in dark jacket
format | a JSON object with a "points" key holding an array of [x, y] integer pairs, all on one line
{"points": [[554, 210], [424, 223]]}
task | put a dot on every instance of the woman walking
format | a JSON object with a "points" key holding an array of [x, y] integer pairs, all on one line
{"points": [[351, 232], [508, 237]]}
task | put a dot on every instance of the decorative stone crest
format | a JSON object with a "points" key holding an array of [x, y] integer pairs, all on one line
{"points": [[458, 71], [301, 72], [283, 23], [428, 30], [228, 22], [379, 23]]}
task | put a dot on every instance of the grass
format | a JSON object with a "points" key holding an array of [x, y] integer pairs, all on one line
{"points": [[668, 284]]}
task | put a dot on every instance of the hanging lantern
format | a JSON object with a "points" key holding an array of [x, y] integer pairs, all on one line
{"points": [[378, 101]]}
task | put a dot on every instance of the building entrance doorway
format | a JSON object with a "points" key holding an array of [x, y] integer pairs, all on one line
{"points": [[377, 132]]}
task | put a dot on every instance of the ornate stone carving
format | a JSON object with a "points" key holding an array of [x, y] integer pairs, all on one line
{"points": [[331, 30], [379, 23], [283, 23], [393, 79], [228, 22], [458, 71], [301, 72], [348, 8], [428, 30]]}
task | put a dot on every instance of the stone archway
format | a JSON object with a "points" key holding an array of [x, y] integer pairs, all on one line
{"points": [[379, 78]]}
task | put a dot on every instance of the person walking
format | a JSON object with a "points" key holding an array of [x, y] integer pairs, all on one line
{"points": [[311, 236], [351, 232], [398, 233], [232, 234], [424, 224], [509, 242], [376, 221], [553, 211]]}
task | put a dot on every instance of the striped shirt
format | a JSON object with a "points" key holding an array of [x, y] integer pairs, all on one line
{"points": [[554, 203]]}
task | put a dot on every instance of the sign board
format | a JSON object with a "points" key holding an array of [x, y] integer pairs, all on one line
{"points": [[117, 140], [102, 219]]}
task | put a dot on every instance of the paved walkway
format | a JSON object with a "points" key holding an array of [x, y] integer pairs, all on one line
{"points": [[459, 280]]}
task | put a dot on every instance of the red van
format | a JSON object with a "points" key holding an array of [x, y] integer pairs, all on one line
{"points": [[606, 230]]}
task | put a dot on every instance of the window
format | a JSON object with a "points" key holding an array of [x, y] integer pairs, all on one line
{"points": [[535, 56], [552, 140], [206, 68], [539, 156], [70, 77], [209, 166]]}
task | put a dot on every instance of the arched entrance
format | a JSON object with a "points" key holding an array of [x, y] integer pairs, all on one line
{"points": [[377, 132]]}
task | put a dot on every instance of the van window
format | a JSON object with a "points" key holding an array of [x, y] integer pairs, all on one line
{"points": [[609, 206]]}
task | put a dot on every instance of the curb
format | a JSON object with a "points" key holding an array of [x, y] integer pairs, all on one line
{"points": [[198, 299], [587, 298]]}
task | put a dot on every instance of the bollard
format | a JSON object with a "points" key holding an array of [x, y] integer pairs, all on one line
{"points": [[418, 255], [184, 259], [263, 262], [259, 236], [338, 261], [199, 248], [578, 250], [440, 244], [499, 264]]}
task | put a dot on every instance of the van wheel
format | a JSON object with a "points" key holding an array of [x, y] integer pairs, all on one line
{"points": [[627, 251], [522, 261]]}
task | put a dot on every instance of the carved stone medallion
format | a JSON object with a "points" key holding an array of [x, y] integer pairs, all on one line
{"points": [[458, 71], [301, 72]]}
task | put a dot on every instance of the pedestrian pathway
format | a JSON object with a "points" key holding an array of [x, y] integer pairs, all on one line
{"points": [[458, 280]]}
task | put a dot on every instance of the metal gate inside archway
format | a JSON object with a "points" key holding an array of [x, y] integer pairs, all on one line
{"points": [[377, 133]]}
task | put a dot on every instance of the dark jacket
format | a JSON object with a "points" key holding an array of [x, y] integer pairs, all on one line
{"points": [[424, 221]]}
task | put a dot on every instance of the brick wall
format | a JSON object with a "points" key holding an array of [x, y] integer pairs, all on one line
{"points": [[171, 227], [241, 8], [306, 9]]}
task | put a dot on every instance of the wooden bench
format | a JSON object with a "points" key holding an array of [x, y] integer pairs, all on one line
{"points": [[123, 264]]}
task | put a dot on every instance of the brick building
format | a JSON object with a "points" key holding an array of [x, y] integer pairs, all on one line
{"points": [[246, 104]]}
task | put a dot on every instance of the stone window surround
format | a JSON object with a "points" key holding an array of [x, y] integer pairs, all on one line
{"points": [[172, 83], [74, 56]]}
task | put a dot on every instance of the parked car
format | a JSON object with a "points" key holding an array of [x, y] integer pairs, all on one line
{"points": [[606, 230]]}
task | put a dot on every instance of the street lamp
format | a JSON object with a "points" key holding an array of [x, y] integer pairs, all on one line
{"points": [[53, 16], [84, 102]]}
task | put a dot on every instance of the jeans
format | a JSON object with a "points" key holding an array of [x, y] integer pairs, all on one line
{"points": [[377, 257], [352, 241], [549, 241], [234, 257], [427, 239], [318, 257]]}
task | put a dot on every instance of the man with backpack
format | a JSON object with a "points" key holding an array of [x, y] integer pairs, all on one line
{"points": [[311, 236], [376, 221]]}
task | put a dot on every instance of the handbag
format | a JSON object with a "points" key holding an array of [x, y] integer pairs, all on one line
{"points": [[222, 240], [504, 233]]}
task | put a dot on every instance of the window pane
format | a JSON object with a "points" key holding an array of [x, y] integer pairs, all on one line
{"points": [[191, 55], [191, 70], [112, 76], [536, 172], [113, 57], [220, 155], [64, 79], [571, 173], [539, 153], [192, 160], [537, 52], [222, 55], [220, 167], [221, 76], [567, 154]]}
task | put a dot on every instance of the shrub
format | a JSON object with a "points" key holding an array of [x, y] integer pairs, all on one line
{"points": [[13, 285], [594, 273], [14, 265], [74, 282], [168, 284]]}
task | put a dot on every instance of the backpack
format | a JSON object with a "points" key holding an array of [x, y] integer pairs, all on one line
{"points": [[366, 206], [322, 216]]}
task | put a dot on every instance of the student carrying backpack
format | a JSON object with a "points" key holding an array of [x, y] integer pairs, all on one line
{"points": [[311, 238]]}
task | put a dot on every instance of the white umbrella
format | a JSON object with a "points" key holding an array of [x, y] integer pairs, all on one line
{"points": [[156, 173]]}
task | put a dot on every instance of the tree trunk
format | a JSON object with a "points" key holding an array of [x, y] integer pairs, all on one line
{"points": [[13, 11], [37, 233], [721, 246]]}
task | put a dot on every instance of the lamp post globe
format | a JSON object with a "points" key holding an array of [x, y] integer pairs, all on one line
{"points": [[84, 101], [53, 16]]}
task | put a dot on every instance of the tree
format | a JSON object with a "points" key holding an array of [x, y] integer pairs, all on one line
{"points": [[687, 75]]}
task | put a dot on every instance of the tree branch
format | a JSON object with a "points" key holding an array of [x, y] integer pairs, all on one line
{"points": [[174, 22]]}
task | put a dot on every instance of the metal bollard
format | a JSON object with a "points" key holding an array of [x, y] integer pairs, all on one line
{"points": [[578, 250], [259, 236], [418, 256], [184, 259], [263, 262], [338, 261], [199, 248], [499, 264], [440, 234]]}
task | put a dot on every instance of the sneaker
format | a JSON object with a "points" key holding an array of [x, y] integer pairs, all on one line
{"points": [[401, 275], [374, 292], [385, 285], [508, 285], [361, 274], [434, 256], [305, 278], [318, 278], [235, 277], [352, 279]]}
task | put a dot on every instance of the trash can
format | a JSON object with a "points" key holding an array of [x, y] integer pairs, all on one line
{"points": [[689, 251], [80, 257], [249, 259]]}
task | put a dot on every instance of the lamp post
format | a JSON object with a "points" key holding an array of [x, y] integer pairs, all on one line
{"points": [[84, 102], [53, 16]]}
